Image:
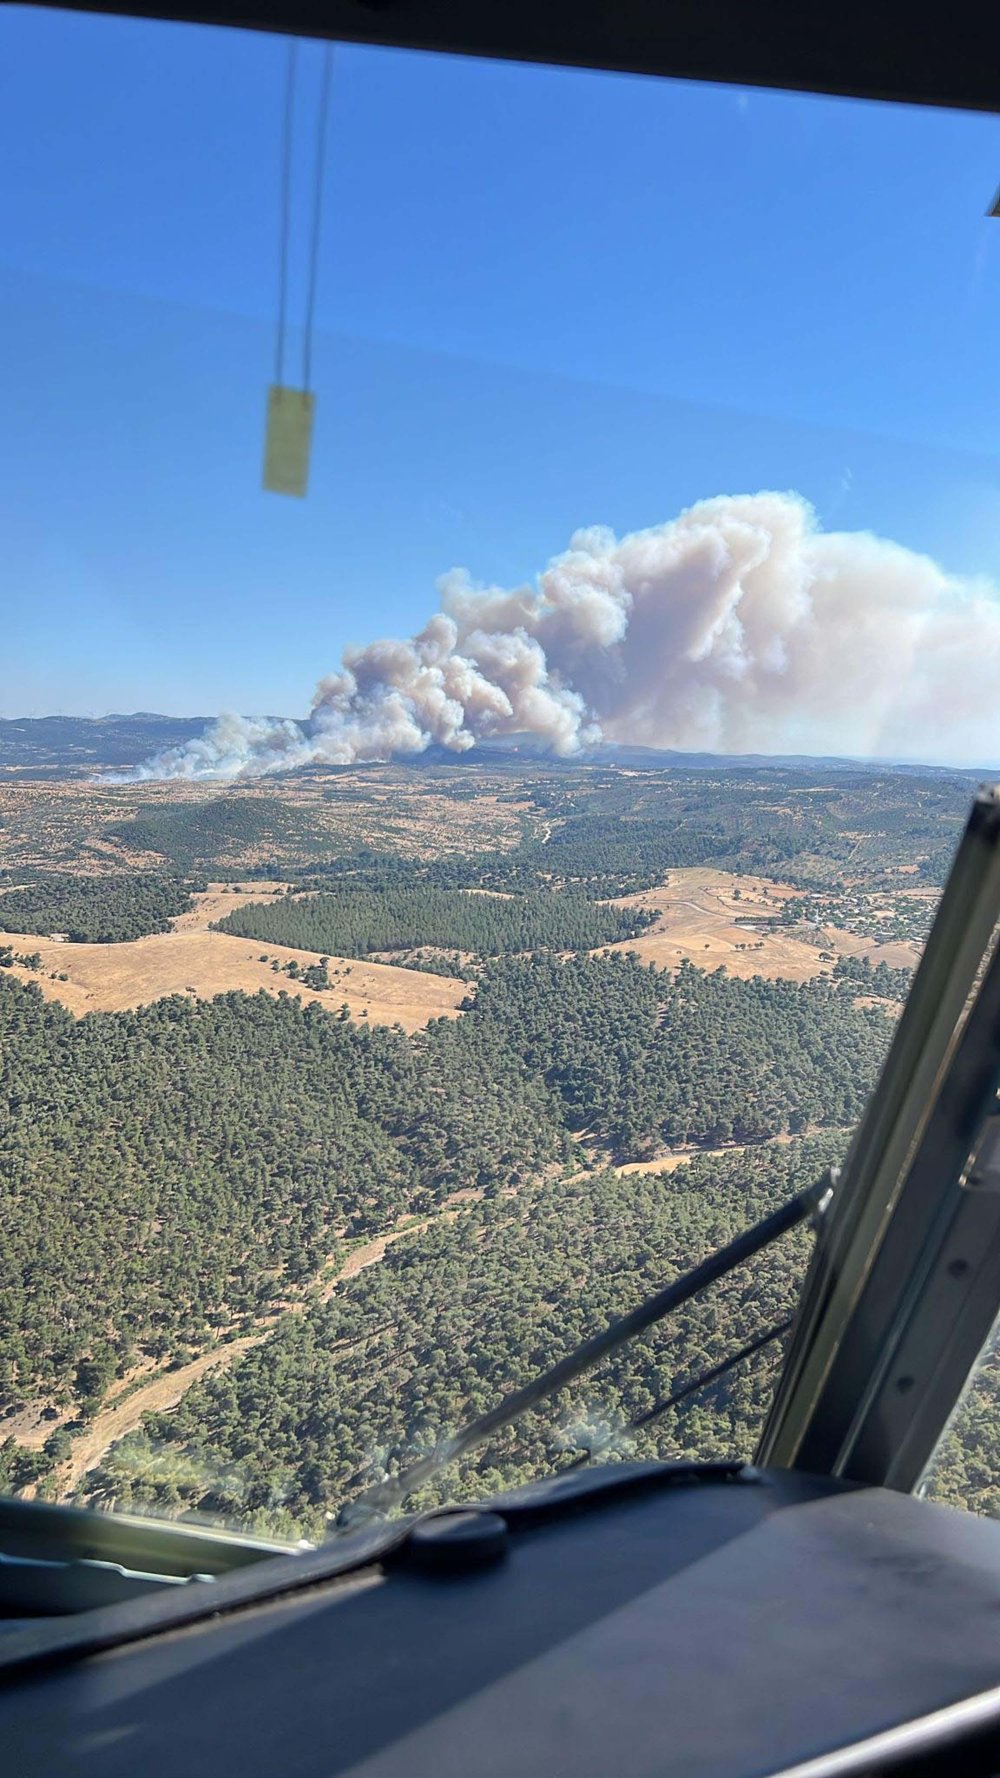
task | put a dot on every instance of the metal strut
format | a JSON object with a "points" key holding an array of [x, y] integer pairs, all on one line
{"points": [[385, 1495], [701, 1381]]}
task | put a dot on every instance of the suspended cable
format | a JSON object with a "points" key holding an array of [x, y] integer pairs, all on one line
{"points": [[290, 410], [285, 210], [317, 211]]}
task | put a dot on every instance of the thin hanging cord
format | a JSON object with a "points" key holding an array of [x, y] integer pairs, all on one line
{"points": [[286, 205], [317, 215]]}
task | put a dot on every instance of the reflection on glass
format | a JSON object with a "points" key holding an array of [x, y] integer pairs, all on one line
{"points": [[965, 1468]]}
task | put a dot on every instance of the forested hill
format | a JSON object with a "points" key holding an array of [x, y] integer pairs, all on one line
{"points": [[457, 1315], [644, 1057], [484, 822], [168, 1171], [97, 910], [357, 922], [52, 745], [197, 1173]]}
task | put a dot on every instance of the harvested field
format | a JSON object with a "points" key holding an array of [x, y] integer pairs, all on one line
{"points": [[83, 827], [194, 961], [710, 917], [111, 978], [220, 899], [896, 953]]}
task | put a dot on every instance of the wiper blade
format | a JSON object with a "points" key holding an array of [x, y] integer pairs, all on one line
{"points": [[385, 1495]]}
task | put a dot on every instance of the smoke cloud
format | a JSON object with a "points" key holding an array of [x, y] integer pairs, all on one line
{"points": [[740, 626]]}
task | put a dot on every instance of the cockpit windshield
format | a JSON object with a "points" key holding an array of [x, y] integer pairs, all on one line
{"points": [[542, 525]]}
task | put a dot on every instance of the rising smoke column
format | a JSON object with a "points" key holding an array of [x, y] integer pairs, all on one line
{"points": [[739, 626]]}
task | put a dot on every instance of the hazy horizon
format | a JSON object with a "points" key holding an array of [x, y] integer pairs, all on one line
{"points": [[516, 743]]}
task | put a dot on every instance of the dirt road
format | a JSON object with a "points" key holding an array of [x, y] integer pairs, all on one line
{"points": [[123, 1411]]}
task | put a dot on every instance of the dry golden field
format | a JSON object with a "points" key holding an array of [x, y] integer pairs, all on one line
{"points": [[192, 960], [702, 919]]}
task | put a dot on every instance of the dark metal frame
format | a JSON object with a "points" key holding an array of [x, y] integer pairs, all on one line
{"points": [[889, 49], [905, 1282]]}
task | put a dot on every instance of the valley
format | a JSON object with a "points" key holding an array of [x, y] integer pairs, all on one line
{"points": [[337, 1104]]}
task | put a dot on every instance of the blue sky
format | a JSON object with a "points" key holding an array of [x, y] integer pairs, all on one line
{"points": [[547, 299]]}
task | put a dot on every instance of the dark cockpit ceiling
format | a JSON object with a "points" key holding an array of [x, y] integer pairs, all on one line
{"points": [[873, 49]]}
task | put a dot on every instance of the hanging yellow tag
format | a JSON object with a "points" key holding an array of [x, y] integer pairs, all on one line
{"points": [[289, 439]]}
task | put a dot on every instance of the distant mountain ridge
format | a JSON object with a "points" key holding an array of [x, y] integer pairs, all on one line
{"points": [[51, 746], [91, 743], [620, 753]]}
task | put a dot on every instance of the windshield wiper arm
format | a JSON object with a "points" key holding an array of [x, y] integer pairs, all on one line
{"points": [[385, 1495]]}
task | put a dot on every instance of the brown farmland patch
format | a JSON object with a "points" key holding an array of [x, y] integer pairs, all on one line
{"points": [[66, 824], [895, 953], [112, 978], [704, 919], [218, 900]]}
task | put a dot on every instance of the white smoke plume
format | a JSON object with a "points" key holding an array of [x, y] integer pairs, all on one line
{"points": [[738, 627]]}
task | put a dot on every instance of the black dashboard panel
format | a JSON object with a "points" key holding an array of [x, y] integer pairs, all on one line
{"points": [[705, 1628]]}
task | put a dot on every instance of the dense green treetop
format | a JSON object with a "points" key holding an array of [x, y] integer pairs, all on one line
{"points": [[167, 1172], [458, 1315], [96, 910], [356, 922], [163, 1172]]}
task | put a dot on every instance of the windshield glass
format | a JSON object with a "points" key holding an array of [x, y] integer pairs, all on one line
{"points": [[506, 886]]}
